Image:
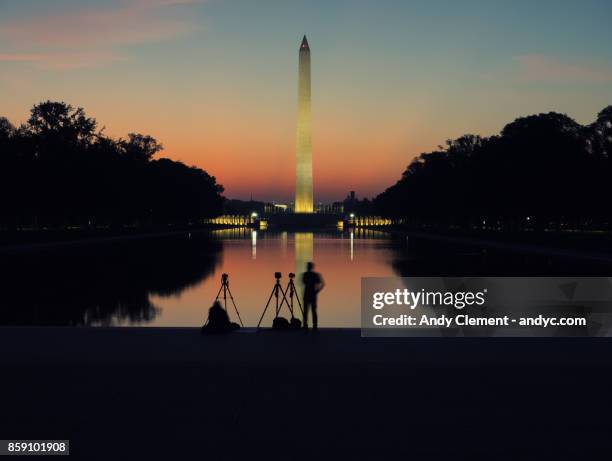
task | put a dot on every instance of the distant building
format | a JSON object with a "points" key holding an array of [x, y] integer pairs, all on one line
{"points": [[333, 208], [350, 202], [277, 208]]}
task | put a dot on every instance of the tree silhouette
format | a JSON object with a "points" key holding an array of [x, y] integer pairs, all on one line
{"points": [[60, 122], [58, 170], [540, 171], [6, 129], [140, 147]]}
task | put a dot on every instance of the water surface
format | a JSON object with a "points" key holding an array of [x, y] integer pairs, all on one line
{"points": [[252, 257], [173, 280]]}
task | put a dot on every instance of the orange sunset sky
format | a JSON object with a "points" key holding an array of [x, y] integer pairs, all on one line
{"points": [[216, 81]]}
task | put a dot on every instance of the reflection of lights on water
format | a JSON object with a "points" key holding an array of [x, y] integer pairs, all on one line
{"points": [[233, 232], [352, 238], [254, 244]]}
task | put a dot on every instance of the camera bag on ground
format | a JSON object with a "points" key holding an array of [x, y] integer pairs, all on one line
{"points": [[280, 323]]}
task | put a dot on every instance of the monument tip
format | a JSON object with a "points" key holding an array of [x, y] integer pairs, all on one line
{"points": [[304, 45]]}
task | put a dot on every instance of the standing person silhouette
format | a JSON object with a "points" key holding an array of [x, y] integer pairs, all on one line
{"points": [[313, 284]]}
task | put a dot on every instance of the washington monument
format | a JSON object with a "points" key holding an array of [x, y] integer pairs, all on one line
{"points": [[303, 153]]}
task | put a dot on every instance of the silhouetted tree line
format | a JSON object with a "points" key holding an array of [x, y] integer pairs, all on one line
{"points": [[57, 170], [540, 171]]}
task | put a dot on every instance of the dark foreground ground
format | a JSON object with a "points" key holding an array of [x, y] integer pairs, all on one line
{"points": [[170, 394]]}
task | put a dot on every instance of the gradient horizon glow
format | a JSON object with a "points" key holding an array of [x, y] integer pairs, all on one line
{"points": [[216, 81]]}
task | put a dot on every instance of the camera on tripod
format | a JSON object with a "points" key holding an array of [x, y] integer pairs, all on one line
{"points": [[281, 295], [225, 290]]}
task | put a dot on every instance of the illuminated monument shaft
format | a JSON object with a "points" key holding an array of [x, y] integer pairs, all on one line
{"points": [[303, 155]]}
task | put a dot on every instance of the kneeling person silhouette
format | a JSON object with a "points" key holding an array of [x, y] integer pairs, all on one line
{"points": [[218, 321]]}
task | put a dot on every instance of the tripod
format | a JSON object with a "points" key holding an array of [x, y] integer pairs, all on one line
{"points": [[277, 291], [226, 290], [292, 291]]}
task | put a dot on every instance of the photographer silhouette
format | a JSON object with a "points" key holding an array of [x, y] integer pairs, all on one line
{"points": [[313, 284]]}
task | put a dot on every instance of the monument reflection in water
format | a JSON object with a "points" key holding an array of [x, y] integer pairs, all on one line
{"points": [[304, 249]]}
